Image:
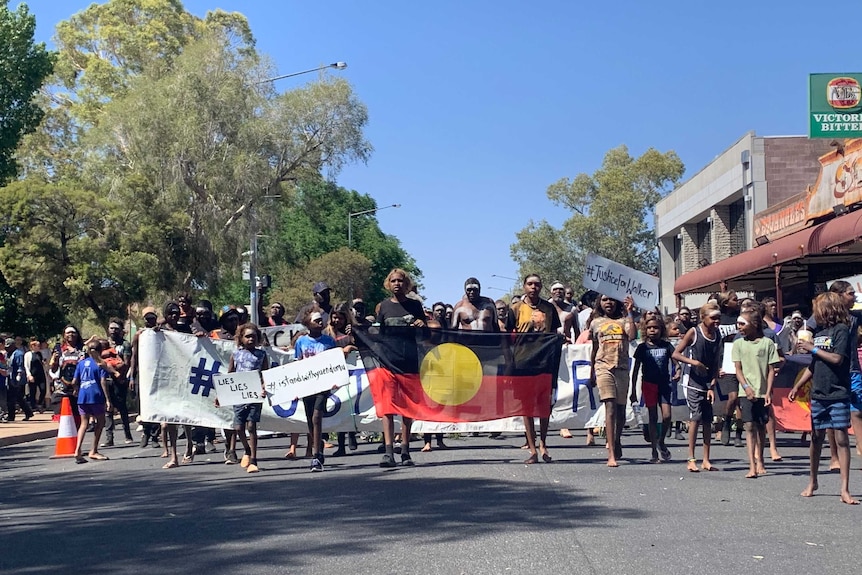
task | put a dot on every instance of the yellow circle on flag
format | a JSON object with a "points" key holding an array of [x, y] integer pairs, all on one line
{"points": [[451, 374]]}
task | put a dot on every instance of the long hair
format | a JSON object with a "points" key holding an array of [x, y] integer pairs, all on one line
{"points": [[753, 317], [617, 312], [829, 309], [343, 309], [707, 310], [723, 298]]}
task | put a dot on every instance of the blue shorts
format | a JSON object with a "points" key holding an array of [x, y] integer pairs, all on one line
{"points": [[855, 391], [245, 413], [830, 414]]}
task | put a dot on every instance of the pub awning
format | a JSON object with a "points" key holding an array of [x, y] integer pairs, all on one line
{"points": [[808, 242]]}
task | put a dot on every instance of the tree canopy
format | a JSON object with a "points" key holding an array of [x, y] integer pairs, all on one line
{"points": [[611, 217], [24, 65]]}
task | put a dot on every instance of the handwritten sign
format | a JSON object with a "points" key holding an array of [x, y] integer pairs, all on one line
{"points": [[238, 388], [306, 377], [617, 281]]}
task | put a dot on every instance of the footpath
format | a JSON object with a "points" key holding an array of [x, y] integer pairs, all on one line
{"points": [[39, 426]]}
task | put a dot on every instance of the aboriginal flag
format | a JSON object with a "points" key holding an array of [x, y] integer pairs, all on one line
{"points": [[455, 376], [792, 415]]}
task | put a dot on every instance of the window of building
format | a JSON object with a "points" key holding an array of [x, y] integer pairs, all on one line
{"points": [[677, 256]]}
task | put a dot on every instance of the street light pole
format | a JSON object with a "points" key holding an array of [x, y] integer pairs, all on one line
{"points": [[252, 259], [350, 217], [336, 65]]}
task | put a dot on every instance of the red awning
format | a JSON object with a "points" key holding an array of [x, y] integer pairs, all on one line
{"points": [[781, 250], [813, 240]]}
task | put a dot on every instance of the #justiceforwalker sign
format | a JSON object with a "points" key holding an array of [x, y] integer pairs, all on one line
{"points": [[306, 377], [238, 388], [617, 281]]}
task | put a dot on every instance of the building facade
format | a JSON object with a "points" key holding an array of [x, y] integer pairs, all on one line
{"points": [[722, 214]]}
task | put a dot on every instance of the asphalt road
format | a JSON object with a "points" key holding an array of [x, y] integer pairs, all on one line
{"points": [[474, 508]]}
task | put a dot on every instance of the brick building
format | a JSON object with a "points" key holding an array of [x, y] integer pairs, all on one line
{"points": [[748, 221]]}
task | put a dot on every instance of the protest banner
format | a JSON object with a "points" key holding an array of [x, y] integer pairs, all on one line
{"points": [[617, 281], [282, 335], [176, 377], [311, 375], [238, 387]]}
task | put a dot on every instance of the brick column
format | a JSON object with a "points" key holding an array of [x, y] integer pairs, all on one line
{"points": [[689, 248], [721, 236]]}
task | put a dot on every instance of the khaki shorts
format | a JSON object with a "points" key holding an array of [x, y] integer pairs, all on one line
{"points": [[613, 384]]}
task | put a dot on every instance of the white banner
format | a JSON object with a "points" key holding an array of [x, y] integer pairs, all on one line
{"points": [[176, 372], [308, 376], [238, 388], [617, 281]]}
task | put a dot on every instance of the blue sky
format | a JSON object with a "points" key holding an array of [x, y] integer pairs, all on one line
{"points": [[476, 106]]}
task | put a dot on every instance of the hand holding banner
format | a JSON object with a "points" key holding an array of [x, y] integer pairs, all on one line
{"points": [[307, 376], [238, 388]]}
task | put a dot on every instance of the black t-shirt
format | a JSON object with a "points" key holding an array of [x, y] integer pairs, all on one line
{"points": [[400, 313], [831, 382], [655, 361], [727, 331]]}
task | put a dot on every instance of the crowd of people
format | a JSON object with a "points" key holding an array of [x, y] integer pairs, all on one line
{"points": [[98, 375]]}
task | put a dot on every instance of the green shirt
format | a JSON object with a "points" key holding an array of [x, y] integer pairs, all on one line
{"points": [[756, 356]]}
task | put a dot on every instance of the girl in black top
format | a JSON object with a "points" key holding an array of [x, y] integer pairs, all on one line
{"points": [[728, 303], [399, 310]]}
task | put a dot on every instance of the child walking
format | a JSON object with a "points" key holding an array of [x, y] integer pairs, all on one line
{"points": [[755, 358], [90, 382], [307, 346], [248, 357], [698, 350], [829, 374], [654, 356]]}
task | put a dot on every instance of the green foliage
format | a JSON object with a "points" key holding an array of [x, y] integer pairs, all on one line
{"points": [[71, 251], [24, 65], [312, 221], [611, 217], [347, 272]]}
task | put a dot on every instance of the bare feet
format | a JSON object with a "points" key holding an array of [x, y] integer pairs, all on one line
{"points": [[692, 466], [170, 464], [290, 454], [775, 456], [426, 448], [591, 439], [534, 458], [834, 465], [810, 489], [707, 466], [761, 471], [612, 462], [848, 499], [751, 475], [164, 454], [565, 433]]}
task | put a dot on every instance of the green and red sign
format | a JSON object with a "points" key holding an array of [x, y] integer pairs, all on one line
{"points": [[835, 106]]}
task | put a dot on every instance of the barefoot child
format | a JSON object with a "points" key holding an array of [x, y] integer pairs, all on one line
{"points": [[829, 374], [755, 358], [654, 355], [90, 382], [698, 350], [248, 357]]}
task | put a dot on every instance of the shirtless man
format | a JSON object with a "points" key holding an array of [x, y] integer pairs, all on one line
{"points": [[474, 312]]}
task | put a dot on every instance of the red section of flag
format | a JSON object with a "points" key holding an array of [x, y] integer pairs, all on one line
{"points": [[790, 415], [498, 397]]}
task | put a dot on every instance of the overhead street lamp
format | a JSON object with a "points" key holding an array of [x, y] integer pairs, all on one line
{"points": [[252, 259], [336, 65], [354, 214], [503, 277]]}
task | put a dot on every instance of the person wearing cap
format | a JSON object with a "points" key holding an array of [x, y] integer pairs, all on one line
{"points": [[321, 303], [787, 338], [151, 430], [309, 345], [474, 312], [204, 315], [359, 313]]}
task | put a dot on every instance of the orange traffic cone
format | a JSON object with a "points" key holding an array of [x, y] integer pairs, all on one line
{"points": [[67, 434]]}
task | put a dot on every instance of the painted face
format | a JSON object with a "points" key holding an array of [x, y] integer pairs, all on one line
{"points": [[744, 326], [711, 321], [472, 292], [70, 335], [502, 312], [558, 294]]}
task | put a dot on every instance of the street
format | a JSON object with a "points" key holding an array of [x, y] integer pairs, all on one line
{"points": [[473, 508]]}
